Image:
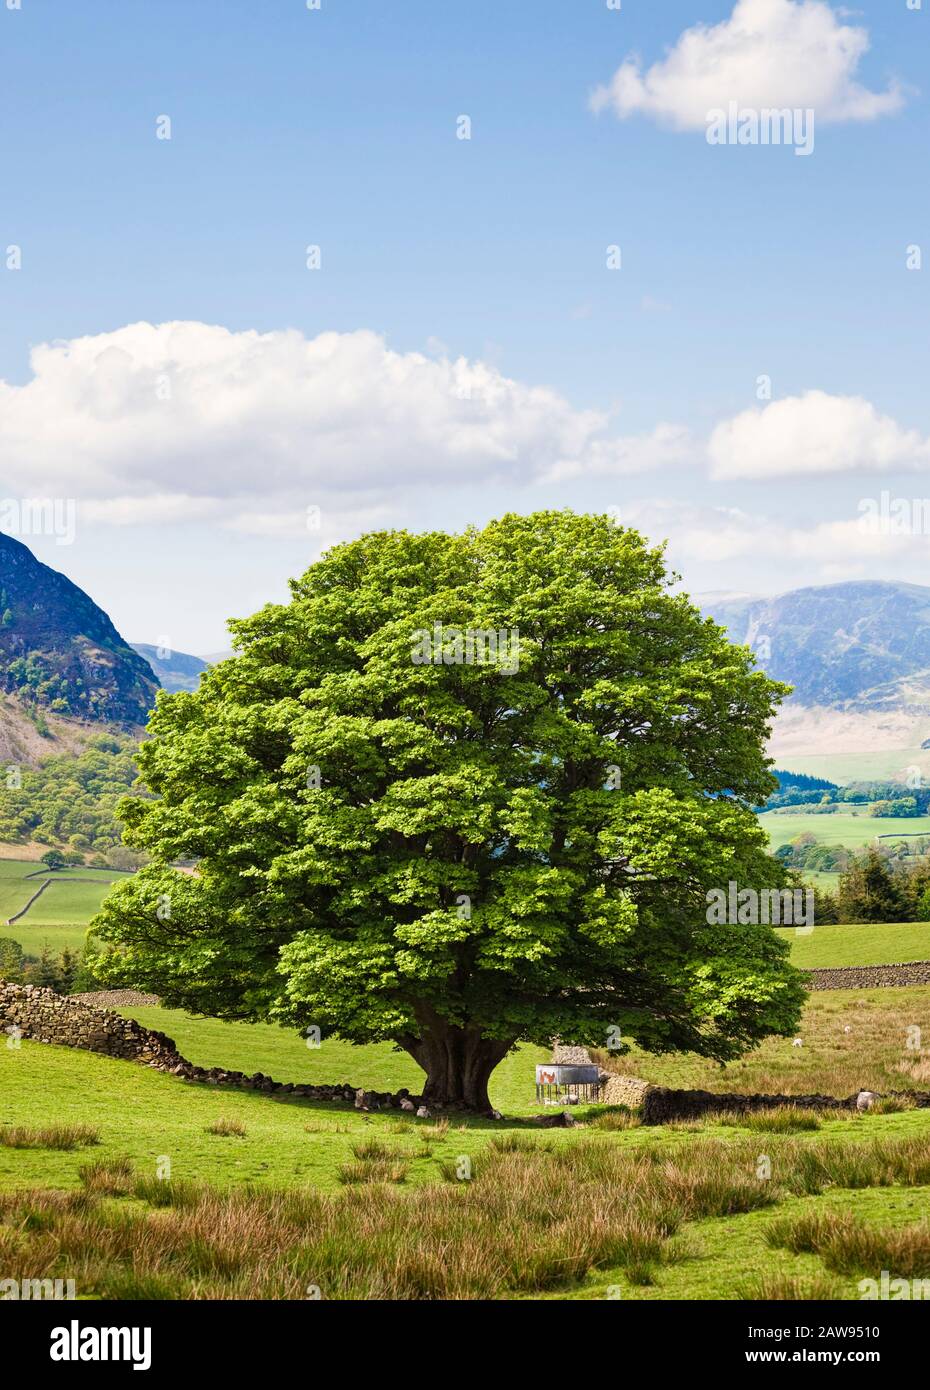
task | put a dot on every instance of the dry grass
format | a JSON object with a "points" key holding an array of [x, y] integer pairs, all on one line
{"points": [[892, 1105], [111, 1177], [873, 1055], [916, 1070], [848, 1246], [374, 1149], [604, 1206], [50, 1137], [227, 1128], [435, 1133], [375, 1170]]}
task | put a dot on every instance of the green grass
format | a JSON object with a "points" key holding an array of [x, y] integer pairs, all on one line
{"points": [[57, 936], [850, 828], [862, 943], [636, 1189], [819, 878], [67, 901], [884, 765], [60, 916], [873, 1055], [283, 1055], [145, 1115], [15, 890], [636, 1186]]}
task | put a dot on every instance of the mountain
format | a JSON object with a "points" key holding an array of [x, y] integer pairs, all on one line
{"points": [[861, 645], [858, 657], [176, 670], [59, 652]]}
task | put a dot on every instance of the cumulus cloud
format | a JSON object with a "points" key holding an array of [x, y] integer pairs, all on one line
{"points": [[814, 434], [192, 420], [797, 54], [715, 542]]}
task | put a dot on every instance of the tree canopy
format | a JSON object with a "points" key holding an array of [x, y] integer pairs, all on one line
{"points": [[453, 852]]}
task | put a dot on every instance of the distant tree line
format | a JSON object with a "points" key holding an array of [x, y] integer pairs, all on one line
{"points": [[876, 886], [886, 798], [60, 971]]}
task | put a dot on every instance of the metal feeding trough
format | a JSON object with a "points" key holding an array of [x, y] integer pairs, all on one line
{"points": [[555, 1081]]}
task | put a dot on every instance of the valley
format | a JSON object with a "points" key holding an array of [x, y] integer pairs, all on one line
{"points": [[131, 1148]]}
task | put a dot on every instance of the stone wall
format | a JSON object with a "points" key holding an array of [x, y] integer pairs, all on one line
{"points": [[661, 1104], [44, 1016], [871, 976], [626, 1090], [47, 1017]]}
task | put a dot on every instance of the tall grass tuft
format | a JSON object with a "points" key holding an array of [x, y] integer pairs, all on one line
{"points": [[227, 1127], [51, 1137], [111, 1177]]}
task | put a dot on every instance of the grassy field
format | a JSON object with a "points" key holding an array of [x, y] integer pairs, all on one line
{"points": [[146, 1114], [861, 943], [60, 916], [874, 1053], [850, 828], [287, 1195], [282, 1054], [271, 1196], [817, 878], [883, 765]]}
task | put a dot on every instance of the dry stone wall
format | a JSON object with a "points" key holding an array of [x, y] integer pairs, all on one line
{"points": [[871, 976], [48, 1017], [44, 1016]]}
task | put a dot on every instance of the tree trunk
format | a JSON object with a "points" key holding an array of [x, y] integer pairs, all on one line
{"points": [[458, 1063]]}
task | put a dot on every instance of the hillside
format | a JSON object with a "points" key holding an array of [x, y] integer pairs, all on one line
{"points": [[858, 658], [59, 652], [859, 645], [176, 670], [29, 734]]}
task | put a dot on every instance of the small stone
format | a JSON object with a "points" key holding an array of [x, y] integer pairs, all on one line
{"points": [[423, 1113], [407, 1104]]}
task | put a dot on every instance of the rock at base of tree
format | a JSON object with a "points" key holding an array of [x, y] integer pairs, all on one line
{"points": [[423, 1113]]}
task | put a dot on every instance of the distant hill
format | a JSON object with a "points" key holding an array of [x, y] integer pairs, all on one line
{"points": [[858, 657], [176, 670], [59, 652], [862, 645]]}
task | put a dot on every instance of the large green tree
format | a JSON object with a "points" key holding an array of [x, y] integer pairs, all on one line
{"points": [[459, 854]]}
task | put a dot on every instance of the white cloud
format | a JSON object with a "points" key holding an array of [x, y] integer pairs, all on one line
{"points": [[191, 420], [811, 434], [796, 54], [664, 447], [711, 543]]}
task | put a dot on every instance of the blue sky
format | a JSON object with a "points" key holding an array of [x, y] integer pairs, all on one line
{"points": [[337, 127]]}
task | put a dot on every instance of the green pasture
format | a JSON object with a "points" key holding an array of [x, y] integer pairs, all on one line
{"points": [[59, 916], [853, 828], [859, 943]]}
